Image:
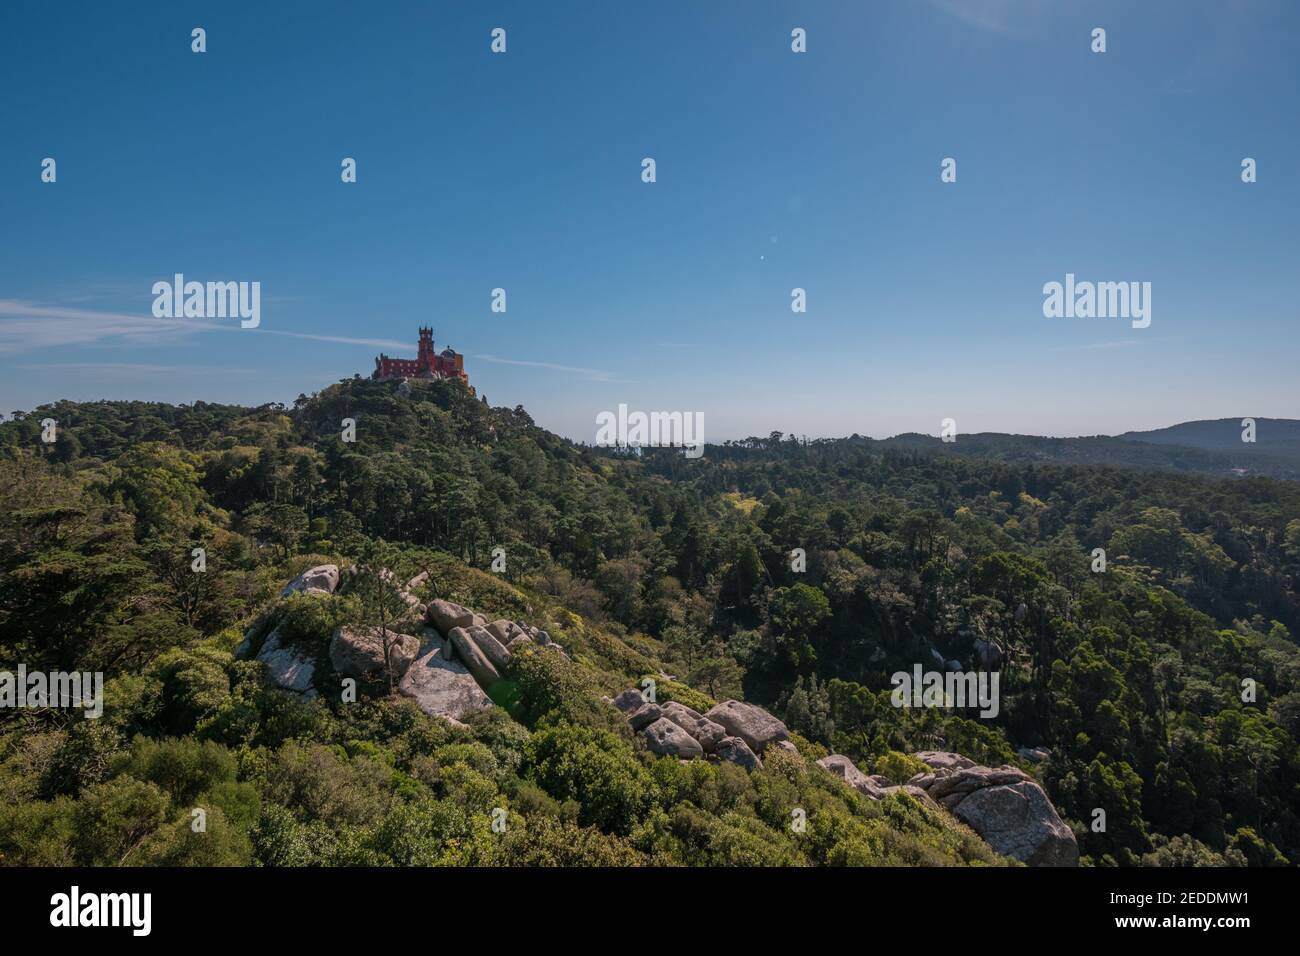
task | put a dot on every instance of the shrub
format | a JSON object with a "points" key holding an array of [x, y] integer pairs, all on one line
{"points": [[310, 619], [595, 768], [900, 767], [194, 684], [113, 819], [544, 841], [181, 768]]}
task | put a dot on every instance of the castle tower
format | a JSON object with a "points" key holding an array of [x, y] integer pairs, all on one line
{"points": [[426, 357]]}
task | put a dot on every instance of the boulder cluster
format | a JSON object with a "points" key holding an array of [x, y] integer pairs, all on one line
{"points": [[732, 731], [445, 668], [1004, 805]]}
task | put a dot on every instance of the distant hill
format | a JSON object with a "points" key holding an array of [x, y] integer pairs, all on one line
{"points": [[1205, 447], [1274, 437]]}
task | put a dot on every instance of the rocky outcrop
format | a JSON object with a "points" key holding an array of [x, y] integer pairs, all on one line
{"points": [[668, 740], [445, 616], [846, 770], [629, 700], [752, 724], [644, 716], [478, 650], [469, 653], [940, 760], [289, 667], [1004, 805], [442, 687], [359, 652], [506, 631], [705, 731], [672, 729], [322, 579], [735, 750], [492, 649]]}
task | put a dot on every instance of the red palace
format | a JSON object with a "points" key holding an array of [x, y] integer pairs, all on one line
{"points": [[428, 363]]}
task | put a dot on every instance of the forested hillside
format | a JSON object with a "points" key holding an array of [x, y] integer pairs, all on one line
{"points": [[1163, 690]]}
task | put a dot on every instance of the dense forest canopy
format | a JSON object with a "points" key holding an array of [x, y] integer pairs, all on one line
{"points": [[1166, 687]]}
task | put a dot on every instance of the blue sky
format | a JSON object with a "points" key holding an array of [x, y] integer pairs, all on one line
{"points": [[775, 170]]}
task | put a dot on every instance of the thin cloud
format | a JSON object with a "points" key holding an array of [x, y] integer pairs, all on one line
{"points": [[1112, 344], [25, 327], [992, 16], [594, 374], [137, 368], [337, 339]]}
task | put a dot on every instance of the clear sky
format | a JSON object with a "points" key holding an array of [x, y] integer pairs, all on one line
{"points": [[775, 170]]}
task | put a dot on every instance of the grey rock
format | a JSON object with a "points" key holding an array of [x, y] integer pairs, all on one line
{"points": [[493, 649], [668, 740], [644, 716], [735, 750], [988, 653], [1004, 805], [468, 653], [442, 687], [629, 700], [942, 760], [707, 732], [752, 724], [290, 667], [505, 631], [444, 615], [323, 577], [970, 779], [1020, 822], [846, 770]]}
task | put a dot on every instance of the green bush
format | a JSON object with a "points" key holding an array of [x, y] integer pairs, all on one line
{"points": [[595, 768], [900, 767], [181, 768]]}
